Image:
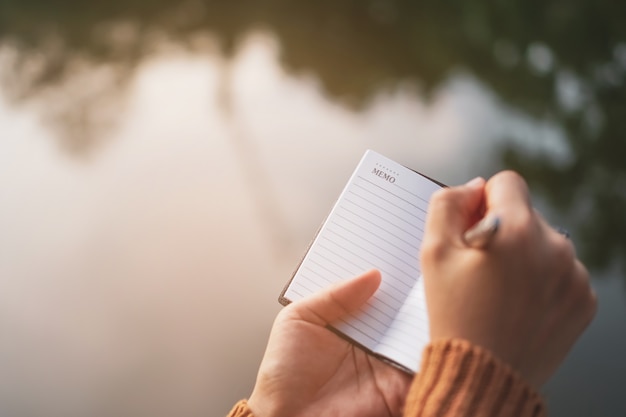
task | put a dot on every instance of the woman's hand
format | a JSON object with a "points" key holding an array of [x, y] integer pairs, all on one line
{"points": [[308, 370], [525, 297]]}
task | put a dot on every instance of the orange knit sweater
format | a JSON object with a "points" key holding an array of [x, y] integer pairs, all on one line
{"points": [[461, 380]]}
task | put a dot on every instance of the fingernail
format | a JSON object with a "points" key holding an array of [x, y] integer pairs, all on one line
{"points": [[475, 183]]}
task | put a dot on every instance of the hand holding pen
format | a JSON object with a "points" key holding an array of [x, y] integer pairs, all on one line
{"points": [[479, 235], [526, 298]]}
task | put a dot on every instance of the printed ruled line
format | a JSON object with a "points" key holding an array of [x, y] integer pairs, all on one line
{"points": [[411, 255], [384, 323], [393, 278], [382, 291], [350, 272], [397, 349], [414, 323], [413, 267], [395, 288], [366, 312], [299, 283], [416, 247], [410, 333], [415, 225], [379, 217], [324, 267], [415, 311], [395, 308], [389, 291], [411, 277], [357, 185], [293, 290], [354, 319], [419, 306], [371, 327], [369, 311], [372, 340], [392, 193], [323, 277], [412, 193], [402, 348], [310, 280], [368, 264]]}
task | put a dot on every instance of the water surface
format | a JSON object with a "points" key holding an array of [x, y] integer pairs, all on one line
{"points": [[163, 167]]}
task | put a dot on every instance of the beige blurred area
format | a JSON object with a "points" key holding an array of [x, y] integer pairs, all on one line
{"points": [[142, 279]]}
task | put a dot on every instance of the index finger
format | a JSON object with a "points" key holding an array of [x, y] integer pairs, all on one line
{"points": [[506, 195]]}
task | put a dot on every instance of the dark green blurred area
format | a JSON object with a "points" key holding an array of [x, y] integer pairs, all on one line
{"points": [[563, 62]]}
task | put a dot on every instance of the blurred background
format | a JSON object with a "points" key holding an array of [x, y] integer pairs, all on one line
{"points": [[164, 164]]}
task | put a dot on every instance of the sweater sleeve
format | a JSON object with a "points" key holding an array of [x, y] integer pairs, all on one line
{"points": [[241, 409], [461, 380], [458, 379]]}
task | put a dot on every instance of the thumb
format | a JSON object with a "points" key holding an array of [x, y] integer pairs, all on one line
{"points": [[335, 302], [453, 210]]}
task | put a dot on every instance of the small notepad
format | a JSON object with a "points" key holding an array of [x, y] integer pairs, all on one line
{"points": [[377, 222]]}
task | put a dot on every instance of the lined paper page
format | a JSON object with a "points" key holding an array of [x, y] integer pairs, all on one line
{"points": [[408, 335], [377, 222]]}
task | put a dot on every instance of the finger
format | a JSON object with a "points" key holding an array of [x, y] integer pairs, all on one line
{"points": [[452, 210], [335, 302], [588, 303], [557, 247], [507, 197], [506, 194]]}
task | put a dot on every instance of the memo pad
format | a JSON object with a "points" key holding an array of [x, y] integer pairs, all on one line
{"points": [[377, 222]]}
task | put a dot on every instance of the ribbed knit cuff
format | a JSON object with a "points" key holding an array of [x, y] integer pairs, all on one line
{"points": [[459, 379], [241, 409]]}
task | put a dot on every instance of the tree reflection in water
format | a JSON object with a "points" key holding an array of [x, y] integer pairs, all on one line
{"points": [[560, 62]]}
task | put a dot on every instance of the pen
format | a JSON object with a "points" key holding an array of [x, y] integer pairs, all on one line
{"points": [[479, 235]]}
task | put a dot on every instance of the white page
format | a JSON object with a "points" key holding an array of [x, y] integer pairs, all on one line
{"points": [[377, 222], [408, 334]]}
